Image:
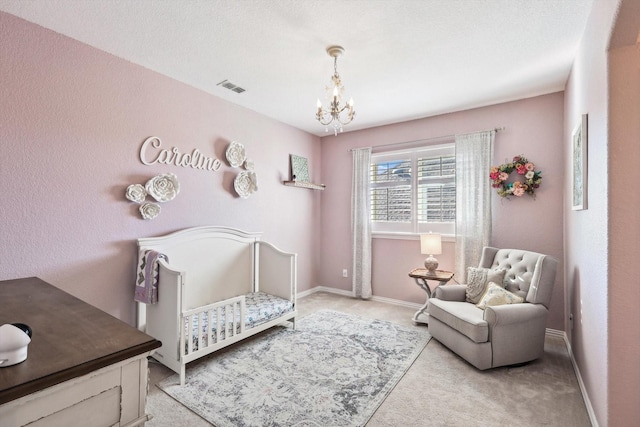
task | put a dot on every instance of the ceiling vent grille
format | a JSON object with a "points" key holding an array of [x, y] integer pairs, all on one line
{"points": [[227, 84]]}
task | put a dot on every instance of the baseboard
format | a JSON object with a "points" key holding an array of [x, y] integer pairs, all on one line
{"points": [[324, 289], [583, 390], [350, 295]]}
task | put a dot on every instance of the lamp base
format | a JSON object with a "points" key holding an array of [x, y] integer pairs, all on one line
{"points": [[431, 263]]}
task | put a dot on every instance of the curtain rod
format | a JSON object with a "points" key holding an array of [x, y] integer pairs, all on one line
{"points": [[432, 138]]}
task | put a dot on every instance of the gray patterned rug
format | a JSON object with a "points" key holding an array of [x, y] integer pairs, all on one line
{"points": [[335, 369]]}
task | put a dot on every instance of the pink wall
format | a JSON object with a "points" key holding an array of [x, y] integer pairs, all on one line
{"points": [[601, 242], [624, 224], [534, 128], [624, 234], [72, 120]]}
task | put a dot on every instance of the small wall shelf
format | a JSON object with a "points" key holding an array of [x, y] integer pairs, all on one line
{"points": [[304, 185]]}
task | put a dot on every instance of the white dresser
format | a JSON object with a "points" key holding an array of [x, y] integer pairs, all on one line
{"points": [[84, 367]]}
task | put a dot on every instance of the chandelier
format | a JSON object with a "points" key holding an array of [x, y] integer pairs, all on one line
{"points": [[332, 115]]}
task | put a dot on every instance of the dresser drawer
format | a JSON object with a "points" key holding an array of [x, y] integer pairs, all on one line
{"points": [[112, 396]]}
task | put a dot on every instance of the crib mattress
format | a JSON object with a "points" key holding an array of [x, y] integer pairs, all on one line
{"points": [[260, 308]]}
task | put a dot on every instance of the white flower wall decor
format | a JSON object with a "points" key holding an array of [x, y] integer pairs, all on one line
{"points": [[149, 210], [236, 154], [246, 182], [136, 193], [162, 188]]}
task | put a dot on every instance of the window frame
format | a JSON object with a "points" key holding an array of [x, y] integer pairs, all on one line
{"points": [[390, 229]]}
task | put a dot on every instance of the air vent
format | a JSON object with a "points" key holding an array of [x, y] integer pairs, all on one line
{"points": [[227, 84]]}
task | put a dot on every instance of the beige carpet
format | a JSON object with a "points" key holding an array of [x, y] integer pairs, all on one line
{"points": [[440, 389]]}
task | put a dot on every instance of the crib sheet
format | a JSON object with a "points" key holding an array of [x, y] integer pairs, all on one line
{"points": [[260, 308]]}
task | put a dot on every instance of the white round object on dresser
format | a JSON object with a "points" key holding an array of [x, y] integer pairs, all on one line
{"points": [[13, 345]]}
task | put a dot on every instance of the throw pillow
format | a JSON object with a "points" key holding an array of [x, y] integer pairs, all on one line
{"points": [[478, 279], [497, 295]]}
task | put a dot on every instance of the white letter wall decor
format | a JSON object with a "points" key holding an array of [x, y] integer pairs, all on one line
{"points": [[151, 153]]}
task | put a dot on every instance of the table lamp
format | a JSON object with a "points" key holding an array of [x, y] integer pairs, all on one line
{"points": [[431, 244]]}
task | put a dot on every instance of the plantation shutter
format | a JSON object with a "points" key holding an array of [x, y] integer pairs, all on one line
{"points": [[413, 191], [391, 191]]}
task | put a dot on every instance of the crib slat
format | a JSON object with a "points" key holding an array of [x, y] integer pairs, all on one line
{"points": [[190, 334], [218, 324], [237, 315], [233, 317], [199, 326], [209, 325], [243, 307], [183, 335], [227, 320]]}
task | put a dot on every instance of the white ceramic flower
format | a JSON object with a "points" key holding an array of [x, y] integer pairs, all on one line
{"points": [[149, 210], [236, 154], [136, 193], [163, 188], [245, 184]]}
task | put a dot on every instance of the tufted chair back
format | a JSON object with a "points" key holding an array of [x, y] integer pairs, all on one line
{"points": [[528, 274]]}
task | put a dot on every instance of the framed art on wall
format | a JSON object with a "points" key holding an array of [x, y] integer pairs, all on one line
{"points": [[579, 142]]}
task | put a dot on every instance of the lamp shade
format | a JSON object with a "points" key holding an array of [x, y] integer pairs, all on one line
{"points": [[431, 244]]}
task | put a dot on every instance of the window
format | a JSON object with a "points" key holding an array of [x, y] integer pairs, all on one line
{"points": [[414, 191]]}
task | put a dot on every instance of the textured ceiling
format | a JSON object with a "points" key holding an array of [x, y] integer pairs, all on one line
{"points": [[404, 59]]}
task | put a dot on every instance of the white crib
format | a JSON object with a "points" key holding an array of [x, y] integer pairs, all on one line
{"points": [[219, 286]]}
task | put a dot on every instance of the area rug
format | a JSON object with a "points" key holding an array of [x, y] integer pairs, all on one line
{"points": [[335, 369]]}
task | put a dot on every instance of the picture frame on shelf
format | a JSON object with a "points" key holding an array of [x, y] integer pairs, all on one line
{"points": [[299, 169], [579, 176]]}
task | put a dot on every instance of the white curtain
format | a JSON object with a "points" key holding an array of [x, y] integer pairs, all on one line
{"points": [[474, 153], [360, 224]]}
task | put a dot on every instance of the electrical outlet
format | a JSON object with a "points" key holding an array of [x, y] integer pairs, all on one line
{"points": [[345, 273], [571, 321]]}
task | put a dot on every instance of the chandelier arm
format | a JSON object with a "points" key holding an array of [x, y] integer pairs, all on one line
{"points": [[326, 117], [349, 116], [321, 118], [347, 122]]}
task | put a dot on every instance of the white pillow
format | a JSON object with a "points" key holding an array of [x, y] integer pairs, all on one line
{"points": [[478, 279], [497, 295]]}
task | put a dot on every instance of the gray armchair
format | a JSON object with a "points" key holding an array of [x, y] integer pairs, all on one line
{"points": [[503, 334]]}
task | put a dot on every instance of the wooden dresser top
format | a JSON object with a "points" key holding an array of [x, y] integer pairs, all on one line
{"points": [[70, 337]]}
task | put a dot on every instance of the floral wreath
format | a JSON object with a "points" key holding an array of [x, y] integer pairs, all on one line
{"points": [[520, 164]]}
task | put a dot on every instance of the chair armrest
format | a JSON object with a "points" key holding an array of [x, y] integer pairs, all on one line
{"points": [[516, 332], [451, 292], [511, 314]]}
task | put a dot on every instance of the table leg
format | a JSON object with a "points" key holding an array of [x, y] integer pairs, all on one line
{"points": [[421, 316]]}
